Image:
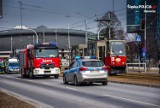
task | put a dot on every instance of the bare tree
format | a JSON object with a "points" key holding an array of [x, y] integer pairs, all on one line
{"points": [[110, 21]]}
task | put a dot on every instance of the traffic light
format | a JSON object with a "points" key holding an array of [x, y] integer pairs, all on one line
{"points": [[142, 25]]}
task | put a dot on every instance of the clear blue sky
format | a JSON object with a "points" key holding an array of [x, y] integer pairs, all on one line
{"points": [[59, 13]]}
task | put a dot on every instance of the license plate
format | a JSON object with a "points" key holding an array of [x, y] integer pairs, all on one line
{"points": [[95, 71], [47, 71]]}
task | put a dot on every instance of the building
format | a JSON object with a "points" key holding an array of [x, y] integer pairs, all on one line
{"points": [[136, 24], [18, 39]]}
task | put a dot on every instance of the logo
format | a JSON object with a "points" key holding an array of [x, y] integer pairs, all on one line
{"points": [[118, 59], [47, 61], [147, 8]]}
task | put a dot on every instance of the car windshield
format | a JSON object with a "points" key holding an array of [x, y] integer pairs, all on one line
{"points": [[93, 63], [13, 64], [46, 53]]}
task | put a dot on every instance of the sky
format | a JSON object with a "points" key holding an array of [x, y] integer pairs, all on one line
{"points": [[60, 13]]}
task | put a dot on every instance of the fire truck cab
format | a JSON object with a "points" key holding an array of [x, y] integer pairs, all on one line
{"points": [[40, 59]]}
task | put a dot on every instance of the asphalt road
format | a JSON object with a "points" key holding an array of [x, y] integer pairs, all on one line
{"points": [[50, 92]]}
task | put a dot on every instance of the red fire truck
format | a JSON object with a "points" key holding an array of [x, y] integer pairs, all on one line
{"points": [[111, 52], [40, 60]]}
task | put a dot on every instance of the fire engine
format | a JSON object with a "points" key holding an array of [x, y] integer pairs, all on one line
{"points": [[111, 52], [41, 59]]}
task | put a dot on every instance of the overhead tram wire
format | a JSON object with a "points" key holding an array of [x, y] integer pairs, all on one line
{"points": [[45, 11]]}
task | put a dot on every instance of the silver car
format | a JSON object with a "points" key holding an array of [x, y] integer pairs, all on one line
{"points": [[86, 71]]}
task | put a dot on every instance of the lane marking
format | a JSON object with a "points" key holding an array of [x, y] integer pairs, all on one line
{"points": [[71, 88], [118, 97], [47, 83]]}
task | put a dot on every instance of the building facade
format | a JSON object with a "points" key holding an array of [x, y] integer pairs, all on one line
{"points": [[15, 39], [136, 12]]}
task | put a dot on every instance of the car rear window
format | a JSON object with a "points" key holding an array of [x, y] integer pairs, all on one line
{"points": [[93, 63]]}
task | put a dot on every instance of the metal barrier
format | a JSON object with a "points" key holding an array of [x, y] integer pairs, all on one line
{"points": [[136, 64]]}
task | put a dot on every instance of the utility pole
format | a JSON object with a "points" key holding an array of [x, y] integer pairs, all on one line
{"points": [[11, 44], [86, 37], [20, 3], [69, 44], [145, 30], [56, 34]]}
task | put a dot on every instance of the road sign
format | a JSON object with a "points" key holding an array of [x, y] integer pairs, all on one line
{"points": [[138, 38]]}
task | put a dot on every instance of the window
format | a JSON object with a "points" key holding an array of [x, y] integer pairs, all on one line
{"points": [[117, 48], [46, 53], [93, 63]]}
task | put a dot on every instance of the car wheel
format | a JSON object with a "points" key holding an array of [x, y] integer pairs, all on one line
{"points": [[56, 76], [64, 80], [76, 81], [31, 76], [105, 83]]}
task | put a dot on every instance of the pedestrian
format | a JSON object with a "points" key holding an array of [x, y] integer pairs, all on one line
{"points": [[159, 66], [5, 65]]}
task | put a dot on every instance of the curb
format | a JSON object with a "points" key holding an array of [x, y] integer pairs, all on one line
{"points": [[30, 101], [134, 84]]}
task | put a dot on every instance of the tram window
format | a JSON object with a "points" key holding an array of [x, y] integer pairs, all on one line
{"points": [[117, 48]]}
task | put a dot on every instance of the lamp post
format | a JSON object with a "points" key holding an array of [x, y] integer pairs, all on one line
{"points": [[145, 30], [100, 31], [26, 28], [108, 25], [86, 37], [11, 44], [20, 3], [69, 41]]}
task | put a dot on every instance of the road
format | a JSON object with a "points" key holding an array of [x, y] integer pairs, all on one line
{"points": [[50, 92]]}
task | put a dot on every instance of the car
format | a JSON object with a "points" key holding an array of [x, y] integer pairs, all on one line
{"points": [[13, 67], [86, 69]]}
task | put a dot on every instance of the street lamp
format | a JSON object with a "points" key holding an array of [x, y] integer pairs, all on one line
{"points": [[26, 28], [100, 31], [108, 25], [20, 3], [86, 37]]}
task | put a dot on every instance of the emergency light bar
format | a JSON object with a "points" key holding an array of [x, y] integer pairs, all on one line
{"points": [[84, 57], [46, 44]]}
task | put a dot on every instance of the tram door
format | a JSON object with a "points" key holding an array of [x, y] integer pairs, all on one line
{"points": [[101, 50], [102, 53]]}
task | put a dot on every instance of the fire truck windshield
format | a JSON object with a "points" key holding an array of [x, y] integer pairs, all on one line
{"points": [[46, 53], [117, 48]]}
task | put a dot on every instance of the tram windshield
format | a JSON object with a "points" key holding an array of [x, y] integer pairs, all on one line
{"points": [[117, 48]]}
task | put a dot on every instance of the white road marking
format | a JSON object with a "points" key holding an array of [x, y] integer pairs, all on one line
{"points": [[71, 88], [47, 83], [117, 97]]}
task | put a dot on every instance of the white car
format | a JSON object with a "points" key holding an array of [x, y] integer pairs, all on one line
{"points": [[86, 70]]}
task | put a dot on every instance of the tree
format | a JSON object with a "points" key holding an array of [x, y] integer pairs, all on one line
{"points": [[110, 20]]}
